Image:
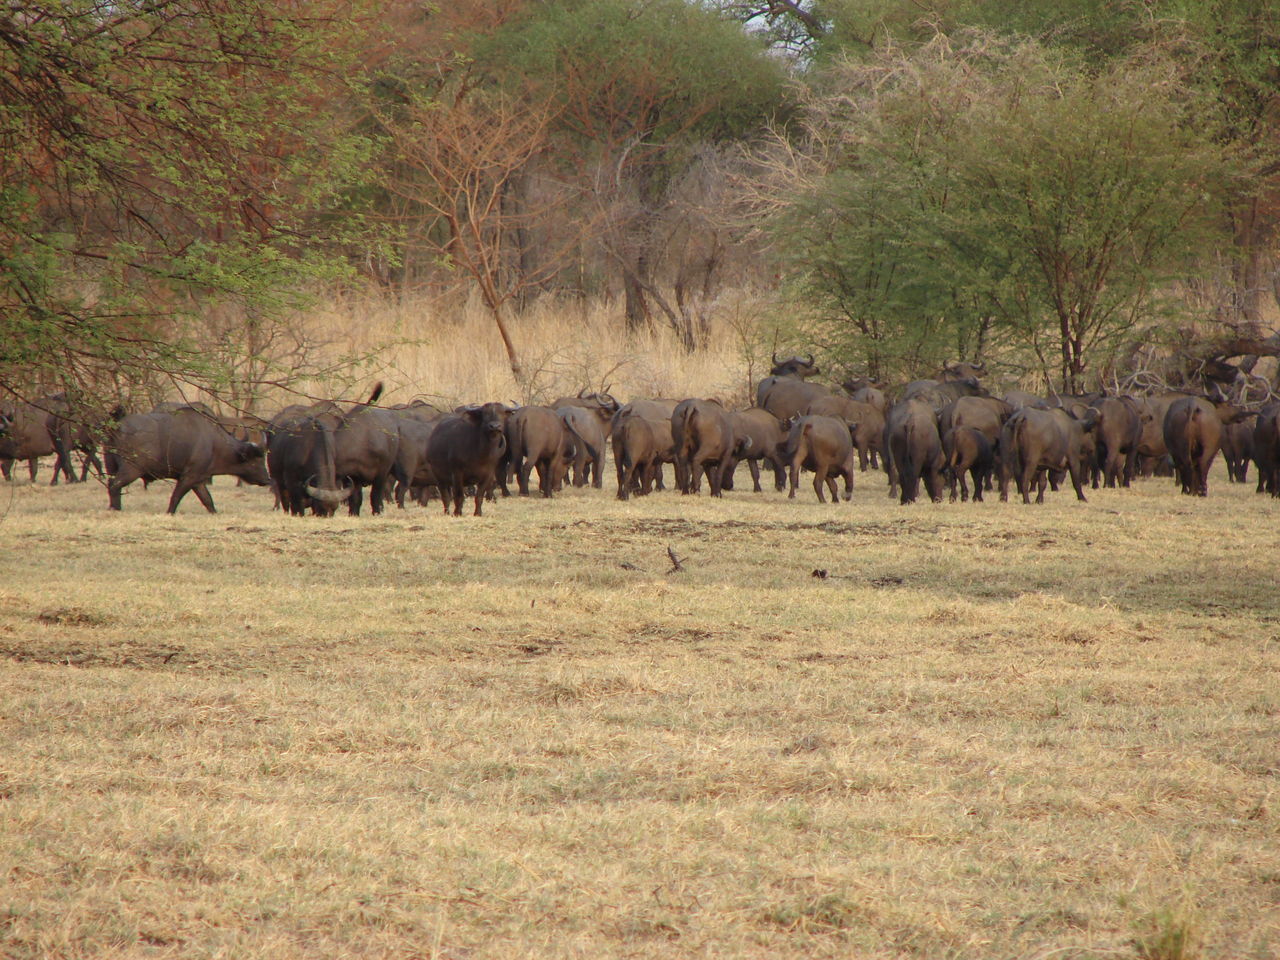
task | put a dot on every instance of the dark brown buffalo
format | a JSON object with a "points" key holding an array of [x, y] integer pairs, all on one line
{"points": [[1237, 448], [301, 458], [464, 449], [83, 425], [865, 390], [602, 404], [1035, 443], [913, 450], [412, 472], [865, 422], [704, 443], [366, 441], [36, 429], [1151, 445], [591, 426], [1117, 435], [186, 445], [1017, 399], [537, 436], [1193, 436], [797, 367], [823, 445], [640, 447], [938, 393], [961, 372], [418, 409], [987, 414], [765, 433], [659, 409], [968, 449], [785, 397], [1266, 449]]}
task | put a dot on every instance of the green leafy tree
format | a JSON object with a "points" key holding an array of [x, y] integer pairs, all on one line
{"points": [[996, 189], [156, 157]]}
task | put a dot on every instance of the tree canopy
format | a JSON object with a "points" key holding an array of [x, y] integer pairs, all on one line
{"points": [[155, 154]]}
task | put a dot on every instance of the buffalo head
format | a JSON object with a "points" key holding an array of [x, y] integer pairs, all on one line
{"points": [[797, 367], [963, 372]]}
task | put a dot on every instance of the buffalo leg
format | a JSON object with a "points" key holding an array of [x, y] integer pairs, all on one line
{"points": [[180, 488], [116, 484], [91, 459], [481, 490], [819, 477], [1075, 482], [201, 490], [623, 467]]}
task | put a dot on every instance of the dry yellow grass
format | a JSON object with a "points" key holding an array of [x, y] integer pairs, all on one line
{"points": [[451, 351], [991, 730]]}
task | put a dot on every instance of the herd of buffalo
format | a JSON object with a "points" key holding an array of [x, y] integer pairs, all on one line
{"points": [[939, 432]]}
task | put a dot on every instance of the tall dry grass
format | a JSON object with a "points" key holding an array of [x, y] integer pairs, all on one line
{"points": [[447, 348]]}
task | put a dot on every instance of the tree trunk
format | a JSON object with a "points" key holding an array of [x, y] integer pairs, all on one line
{"points": [[639, 317]]}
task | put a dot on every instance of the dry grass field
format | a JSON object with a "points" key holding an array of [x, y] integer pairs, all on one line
{"points": [[990, 731]]}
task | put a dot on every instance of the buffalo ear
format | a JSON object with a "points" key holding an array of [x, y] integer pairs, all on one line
{"points": [[472, 413], [250, 451]]}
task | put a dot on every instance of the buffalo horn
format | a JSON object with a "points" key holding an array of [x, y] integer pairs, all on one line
{"points": [[328, 496], [810, 363]]}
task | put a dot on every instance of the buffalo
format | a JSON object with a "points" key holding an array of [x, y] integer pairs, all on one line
{"points": [[1118, 434], [411, 470], [913, 450], [366, 441], [640, 447], [1237, 449], [1193, 434], [1151, 445], [799, 368], [186, 445], [1017, 399], [765, 433], [865, 390], [35, 429], [939, 393], [302, 461], [785, 397], [464, 450], [537, 436], [590, 425], [823, 445], [1266, 449], [968, 449], [704, 443], [865, 422], [1035, 443]]}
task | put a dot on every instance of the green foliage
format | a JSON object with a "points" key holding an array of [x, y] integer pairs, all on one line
{"points": [[642, 77], [160, 159], [995, 190]]}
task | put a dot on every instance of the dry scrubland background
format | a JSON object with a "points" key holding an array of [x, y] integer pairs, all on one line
{"points": [[991, 731], [447, 348]]}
